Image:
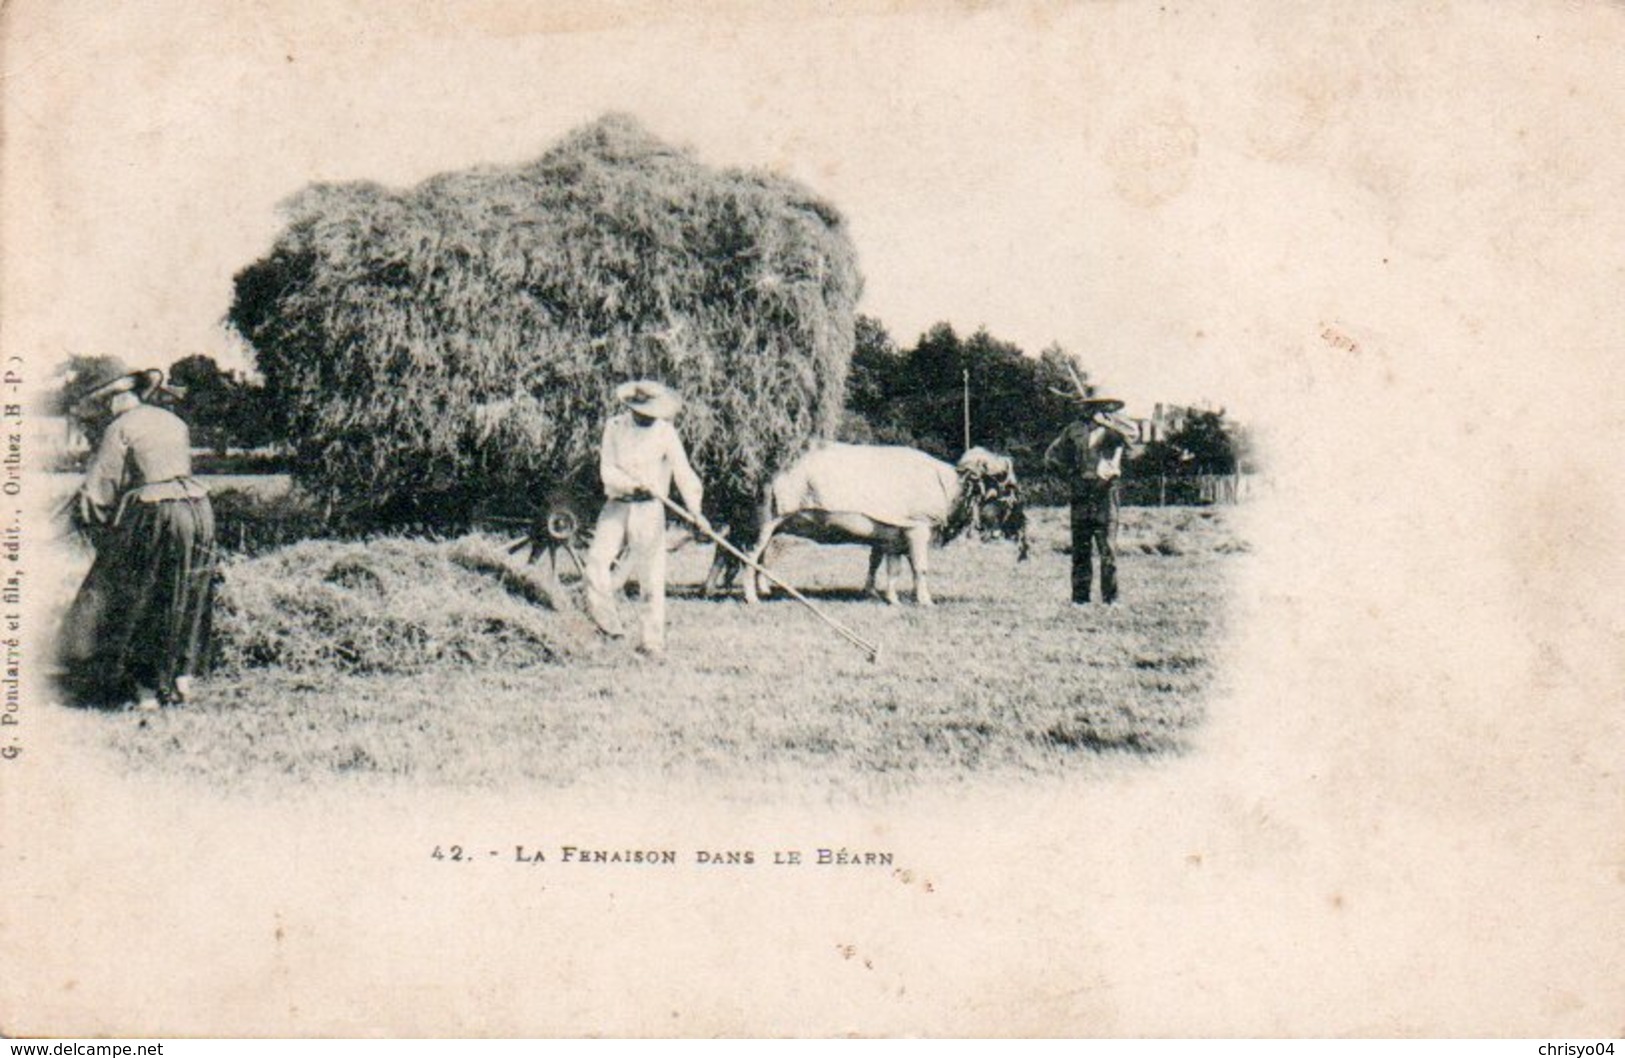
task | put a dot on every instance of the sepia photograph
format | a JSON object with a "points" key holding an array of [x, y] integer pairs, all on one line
{"points": [[1031, 519]]}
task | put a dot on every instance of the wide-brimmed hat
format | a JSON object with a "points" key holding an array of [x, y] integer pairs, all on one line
{"points": [[648, 397], [1091, 405], [144, 384]]}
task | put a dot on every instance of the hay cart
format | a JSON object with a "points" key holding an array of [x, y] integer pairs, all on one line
{"points": [[557, 528]]}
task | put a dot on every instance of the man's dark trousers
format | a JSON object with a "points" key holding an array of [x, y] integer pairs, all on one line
{"points": [[1094, 528]]}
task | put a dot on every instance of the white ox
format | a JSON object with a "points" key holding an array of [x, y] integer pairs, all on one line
{"points": [[897, 500]]}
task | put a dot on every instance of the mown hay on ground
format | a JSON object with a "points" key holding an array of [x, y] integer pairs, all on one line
{"points": [[1171, 531], [1003, 680], [389, 605]]}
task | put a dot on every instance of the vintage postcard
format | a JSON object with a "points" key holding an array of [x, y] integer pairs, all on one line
{"points": [[893, 519]]}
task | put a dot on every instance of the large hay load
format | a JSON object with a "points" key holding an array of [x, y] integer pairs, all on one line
{"points": [[431, 350]]}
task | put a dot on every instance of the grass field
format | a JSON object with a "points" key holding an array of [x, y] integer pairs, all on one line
{"points": [[1004, 677]]}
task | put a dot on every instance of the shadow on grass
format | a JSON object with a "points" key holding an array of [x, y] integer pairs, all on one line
{"points": [[1084, 738]]}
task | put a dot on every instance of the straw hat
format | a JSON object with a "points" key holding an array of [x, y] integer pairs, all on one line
{"points": [[651, 398], [1090, 404]]}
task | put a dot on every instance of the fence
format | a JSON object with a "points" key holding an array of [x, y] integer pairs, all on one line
{"points": [[1188, 490]]}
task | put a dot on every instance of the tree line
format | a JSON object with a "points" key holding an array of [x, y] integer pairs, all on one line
{"points": [[948, 387], [915, 396]]}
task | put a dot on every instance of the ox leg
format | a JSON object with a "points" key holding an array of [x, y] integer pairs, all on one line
{"points": [[757, 556], [769, 555], [723, 569], [878, 554], [919, 546]]}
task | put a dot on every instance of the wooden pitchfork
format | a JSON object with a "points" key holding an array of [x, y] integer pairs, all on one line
{"points": [[871, 649]]}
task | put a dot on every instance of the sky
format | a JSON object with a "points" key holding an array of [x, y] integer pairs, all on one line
{"points": [[1187, 197]]}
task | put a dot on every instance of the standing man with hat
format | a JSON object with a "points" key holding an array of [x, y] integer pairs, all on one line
{"points": [[138, 629], [1090, 454], [640, 458]]}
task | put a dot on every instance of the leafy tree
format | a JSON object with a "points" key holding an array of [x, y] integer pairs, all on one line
{"points": [[871, 384], [1205, 437], [210, 395], [253, 422], [1018, 403], [77, 377], [1000, 389], [1205, 443], [916, 396], [224, 409], [1160, 458], [932, 393], [874, 412]]}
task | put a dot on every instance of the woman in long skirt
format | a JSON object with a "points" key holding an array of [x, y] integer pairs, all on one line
{"points": [[138, 630]]}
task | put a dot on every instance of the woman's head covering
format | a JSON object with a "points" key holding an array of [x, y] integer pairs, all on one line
{"points": [[651, 398], [144, 384]]}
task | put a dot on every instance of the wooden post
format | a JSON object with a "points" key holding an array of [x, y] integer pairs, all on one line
{"points": [[967, 409]]}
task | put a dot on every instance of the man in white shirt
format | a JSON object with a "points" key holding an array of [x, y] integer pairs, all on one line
{"points": [[641, 456]]}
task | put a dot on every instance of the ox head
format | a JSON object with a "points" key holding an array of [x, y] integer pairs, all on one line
{"points": [[990, 498]]}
